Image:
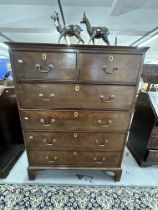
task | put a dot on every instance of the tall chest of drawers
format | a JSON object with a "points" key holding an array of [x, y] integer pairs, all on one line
{"points": [[75, 103]]}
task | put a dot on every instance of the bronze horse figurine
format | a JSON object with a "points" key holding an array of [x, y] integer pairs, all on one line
{"points": [[96, 32], [67, 30]]}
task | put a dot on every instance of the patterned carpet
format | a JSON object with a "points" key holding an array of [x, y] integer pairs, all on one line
{"points": [[48, 197]]}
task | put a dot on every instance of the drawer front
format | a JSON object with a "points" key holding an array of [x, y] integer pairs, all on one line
{"points": [[153, 156], [74, 158], [74, 140], [119, 68], [44, 66], [75, 96], [153, 143], [75, 120]]}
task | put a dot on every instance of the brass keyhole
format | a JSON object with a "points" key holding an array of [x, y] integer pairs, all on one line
{"points": [[44, 56], [75, 153], [75, 114], [20, 61], [77, 88], [111, 58]]}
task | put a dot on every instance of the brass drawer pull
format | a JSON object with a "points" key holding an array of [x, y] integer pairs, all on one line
{"points": [[107, 100], [42, 121], [101, 145], [41, 95], [39, 68], [109, 70], [104, 124], [99, 161], [49, 144], [53, 160]]}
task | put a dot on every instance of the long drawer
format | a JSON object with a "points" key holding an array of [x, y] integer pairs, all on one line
{"points": [[109, 68], [81, 140], [75, 120], [44, 66], [75, 96], [73, 158]]}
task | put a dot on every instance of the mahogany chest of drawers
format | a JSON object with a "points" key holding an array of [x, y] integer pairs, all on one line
{"points": [[75, 103], [143, 138]]}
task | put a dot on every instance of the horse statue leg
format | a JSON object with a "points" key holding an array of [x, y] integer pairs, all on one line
{"points": [[61, 35], [93, 40], [78, 37], [105, 39], [92, 37], [65, 38]]}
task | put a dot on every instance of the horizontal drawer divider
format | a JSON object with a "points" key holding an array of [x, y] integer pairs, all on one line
{"points": [[73, 149], [73, 110], [66, 131], [108, 83], [78, 109], [33, 81], [73, 166], [61, 166], [83, 131]]}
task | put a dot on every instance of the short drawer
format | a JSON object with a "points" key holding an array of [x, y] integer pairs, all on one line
{"points": [[153, 143], [153, 156], [73, 158], [109, 68], [75, 140], [75, 96], [75, 120], [44, 66]]}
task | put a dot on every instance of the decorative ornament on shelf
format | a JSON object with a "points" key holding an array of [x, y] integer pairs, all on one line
{"points": [[67, 30], [96, 32]]}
